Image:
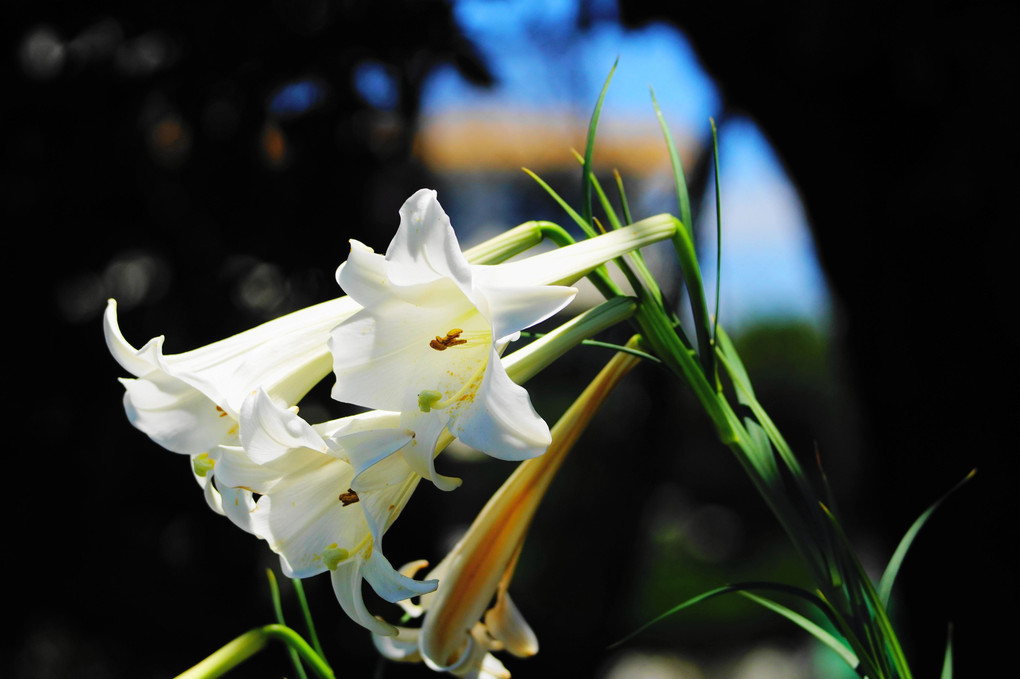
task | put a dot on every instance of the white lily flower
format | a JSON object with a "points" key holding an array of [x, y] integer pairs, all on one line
{"points": [[328, 494], [454, 636], [189, 403], [428, 341]]}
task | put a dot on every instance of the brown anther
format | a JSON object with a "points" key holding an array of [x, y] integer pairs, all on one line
{"points": [[451, 340], [348, 498], [222, 412]]}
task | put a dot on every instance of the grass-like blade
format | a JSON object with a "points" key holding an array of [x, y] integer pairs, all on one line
{"points": [[718, 242], [947, 664], [848, 656], [889, 576], [881, 625], [683, 199], [727, 589], [274, 590], [631, 264], [623, 197], [589, 148], [307, 612], [571, 212]]}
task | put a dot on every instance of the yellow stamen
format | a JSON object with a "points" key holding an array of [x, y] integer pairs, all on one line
{"points": [[452, 339]]}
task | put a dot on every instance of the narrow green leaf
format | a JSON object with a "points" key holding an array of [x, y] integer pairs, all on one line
{"points": [[718, 241], [947, 664], [811, 628], [307, 612], [274, 590], [880, 624], [589, 148], [578, 219], [727, 589], [683, 199], [889, 576], [623, 197]]}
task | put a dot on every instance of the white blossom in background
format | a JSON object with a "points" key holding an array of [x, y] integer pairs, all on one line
{"points": [[190, 403], [328, 493]]}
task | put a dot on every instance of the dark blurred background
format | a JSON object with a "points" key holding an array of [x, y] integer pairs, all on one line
{"points": [[206, 165]]}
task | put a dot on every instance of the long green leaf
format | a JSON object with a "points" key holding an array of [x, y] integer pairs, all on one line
{"points": [[307, 612], [889, 576], [727, 589], [589, 148], [882, 626], [718, 241], [683, 199], [848, 656], [683, 242], [947, 664]]}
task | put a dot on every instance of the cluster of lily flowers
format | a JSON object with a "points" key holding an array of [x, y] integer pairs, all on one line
{"points": [[421, 339]]}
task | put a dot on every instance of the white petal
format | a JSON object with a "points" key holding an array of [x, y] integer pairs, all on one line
{"points": [[500, 420], [176, 416], [514, 308], [507, 625], [425, 247], [238, 505], [391, 584], [269, 431], [382, 357], [234, 469], [303, 516], [403, 647], [420, 454], [346, 578], [363, 275], [365, 449]]}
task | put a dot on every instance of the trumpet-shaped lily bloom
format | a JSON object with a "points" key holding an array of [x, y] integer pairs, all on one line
{"points": [[428, 341], [189, 403], [327, 495], [454, 636]]}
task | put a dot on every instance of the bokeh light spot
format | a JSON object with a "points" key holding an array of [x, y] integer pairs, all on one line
{"points": [[376, 84], [42, 54]]}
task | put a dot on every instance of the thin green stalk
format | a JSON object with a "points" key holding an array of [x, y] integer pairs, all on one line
{"points": [[248, 644], [274, 590], [307, 612]]}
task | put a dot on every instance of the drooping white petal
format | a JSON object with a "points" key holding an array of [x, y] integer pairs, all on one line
{"points": [[420, 454], [390, 584], [508, 626], [500, 418], [401, 647], [346, 579]]}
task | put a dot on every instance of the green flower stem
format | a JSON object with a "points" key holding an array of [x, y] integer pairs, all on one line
{"points": [[300, 589], [248, 644], [274, 589]]}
